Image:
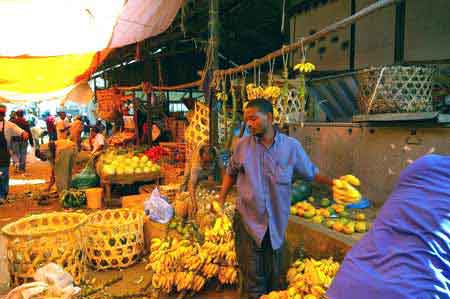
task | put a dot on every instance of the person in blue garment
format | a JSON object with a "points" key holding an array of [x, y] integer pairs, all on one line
{"points": [[406, 254], [263, 165]]}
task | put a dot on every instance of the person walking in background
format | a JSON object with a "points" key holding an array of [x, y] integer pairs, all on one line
{"points": [[62, 126], [51, 128], [19, 146], [75, 131], [7, 130]]}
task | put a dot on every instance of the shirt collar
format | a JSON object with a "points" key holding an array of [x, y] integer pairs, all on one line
{"points": [[276, 139]]}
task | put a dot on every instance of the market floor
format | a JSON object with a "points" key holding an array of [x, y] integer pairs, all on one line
{"points": [[22, 202]]}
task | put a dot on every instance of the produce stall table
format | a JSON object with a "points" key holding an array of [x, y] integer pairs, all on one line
{"points": [[107, 181]]}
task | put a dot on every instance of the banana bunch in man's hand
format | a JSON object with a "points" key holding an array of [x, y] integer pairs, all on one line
{"points": [[344, 189]]}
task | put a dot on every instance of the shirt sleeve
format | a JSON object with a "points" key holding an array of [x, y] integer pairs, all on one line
{"points": [[303, 164], [234, 165], [14, 130]]}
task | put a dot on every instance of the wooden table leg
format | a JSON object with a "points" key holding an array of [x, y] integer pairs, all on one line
{"points": [[107, 188]]}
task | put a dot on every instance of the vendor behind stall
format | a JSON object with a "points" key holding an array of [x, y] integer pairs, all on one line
{"points": [[206, 167], [406, 254], [97, 139]]}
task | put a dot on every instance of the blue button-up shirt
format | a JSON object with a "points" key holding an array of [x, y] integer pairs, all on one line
{"points": [[264, 177]]}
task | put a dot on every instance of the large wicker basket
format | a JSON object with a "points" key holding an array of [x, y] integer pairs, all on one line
{"points": [[395, 89], [37, 240], [114, 238]]}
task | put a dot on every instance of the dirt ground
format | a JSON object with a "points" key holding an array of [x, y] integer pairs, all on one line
{"points": [[21, 203]]}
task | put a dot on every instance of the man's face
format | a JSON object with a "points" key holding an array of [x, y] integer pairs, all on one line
{"points": [[257, 121], [63, 115]]}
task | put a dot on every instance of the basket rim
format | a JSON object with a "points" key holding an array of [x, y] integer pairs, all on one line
{"points": [[6, 229], [88, 224]]}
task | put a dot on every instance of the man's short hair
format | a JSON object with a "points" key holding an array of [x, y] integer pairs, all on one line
{"points": [[19, 113], [262, 105]]}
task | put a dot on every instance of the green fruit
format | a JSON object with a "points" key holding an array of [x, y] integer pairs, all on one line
{"points": [[344, 214], [325, 202], [311, 199], [344, 220], [317, 219], [330, 223], [309, 214]]}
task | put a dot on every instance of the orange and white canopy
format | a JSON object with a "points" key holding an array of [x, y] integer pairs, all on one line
{"points": [[48, 47]]}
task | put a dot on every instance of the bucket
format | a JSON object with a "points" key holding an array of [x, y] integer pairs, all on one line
{"points": [[94, 198]]}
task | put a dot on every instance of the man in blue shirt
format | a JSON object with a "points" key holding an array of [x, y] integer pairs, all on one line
{"points": [[406, 254], [263, 165]]}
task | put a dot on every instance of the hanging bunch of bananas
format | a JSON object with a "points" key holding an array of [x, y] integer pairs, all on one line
{"points": [[272, 93], [304, 67], [307, 279], [254, 92], [344, 191], [222, 96], [228, 275]]}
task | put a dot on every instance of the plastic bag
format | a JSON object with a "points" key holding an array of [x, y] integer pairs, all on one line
{"points": [[157, 208], [87, 178], [55, 275]]}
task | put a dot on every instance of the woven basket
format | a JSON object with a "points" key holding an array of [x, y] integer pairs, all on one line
{"points": [[395, 89], [37, 240], [114, 238]]}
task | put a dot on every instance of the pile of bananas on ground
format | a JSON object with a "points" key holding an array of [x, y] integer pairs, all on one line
{"points": [[304, 67], [175, 265], [219, 247], [307, 279], [344, 191]]}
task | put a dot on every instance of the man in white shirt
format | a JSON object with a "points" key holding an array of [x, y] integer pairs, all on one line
{"points": [[7, 131], [62, 126]]}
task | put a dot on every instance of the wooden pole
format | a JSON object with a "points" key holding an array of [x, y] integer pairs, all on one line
{"points": [[149, 116], [135, 118], [214, 55]]}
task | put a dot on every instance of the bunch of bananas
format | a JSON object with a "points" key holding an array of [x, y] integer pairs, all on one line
{"points": [[175, 264], [272, 93], [344, 191], [304, 67], [163, 281], [254, 92], [307, 279], [228, 275], [189, 281], [210, 270], [222, 96]]}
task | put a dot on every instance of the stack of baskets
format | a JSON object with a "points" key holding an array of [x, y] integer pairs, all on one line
{"points": [[114, 238], [37, 240]]}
